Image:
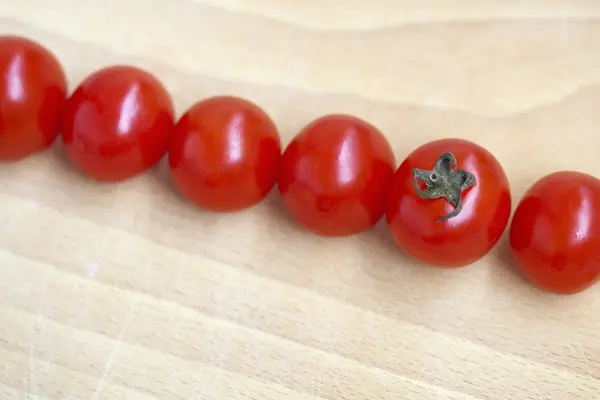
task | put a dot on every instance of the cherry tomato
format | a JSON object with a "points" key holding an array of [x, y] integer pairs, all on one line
{"points": [[555, 232], [225, 154], [33, 89], [117, 123], [335, 175], [449, 203]]}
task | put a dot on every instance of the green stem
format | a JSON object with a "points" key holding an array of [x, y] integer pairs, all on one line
{"points": [[443, 181]]}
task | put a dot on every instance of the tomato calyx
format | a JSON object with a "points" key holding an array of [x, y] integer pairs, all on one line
{"points": [[444, 181]]}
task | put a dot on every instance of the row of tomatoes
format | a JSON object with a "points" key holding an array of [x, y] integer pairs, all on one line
{"points": [[446, 205]]}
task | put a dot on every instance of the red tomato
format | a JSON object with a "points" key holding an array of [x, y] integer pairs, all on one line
{"points": [[555, 232], [33, 89], [225, 154], [335, 175], [117, 123], [458, 211]]}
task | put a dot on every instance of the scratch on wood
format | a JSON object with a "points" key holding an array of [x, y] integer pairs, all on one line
{"points": [[117, 347]]}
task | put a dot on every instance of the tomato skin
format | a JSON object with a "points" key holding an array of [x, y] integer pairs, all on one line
{"points": [[555, 232], [33, 88], [335, 175], [117, 123], [459, 241], [225, 154]]}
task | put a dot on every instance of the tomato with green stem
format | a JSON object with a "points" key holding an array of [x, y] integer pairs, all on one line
{"points": [[449, 203]]}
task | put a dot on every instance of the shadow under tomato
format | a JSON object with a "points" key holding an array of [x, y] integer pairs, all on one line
{"points": [[162, 176], [275, 205], [387, 249], [281, 214], [62, 160], [62, 164], [66, 166], [504, 271], [394, 273]]}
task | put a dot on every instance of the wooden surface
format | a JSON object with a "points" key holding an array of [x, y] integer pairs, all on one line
{"points": [[127, 292]]}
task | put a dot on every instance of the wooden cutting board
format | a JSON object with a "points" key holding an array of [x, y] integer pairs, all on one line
{"points": [[127, 292]]}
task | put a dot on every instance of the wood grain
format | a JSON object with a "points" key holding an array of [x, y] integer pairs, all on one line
{"points": [[127, 292]]}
